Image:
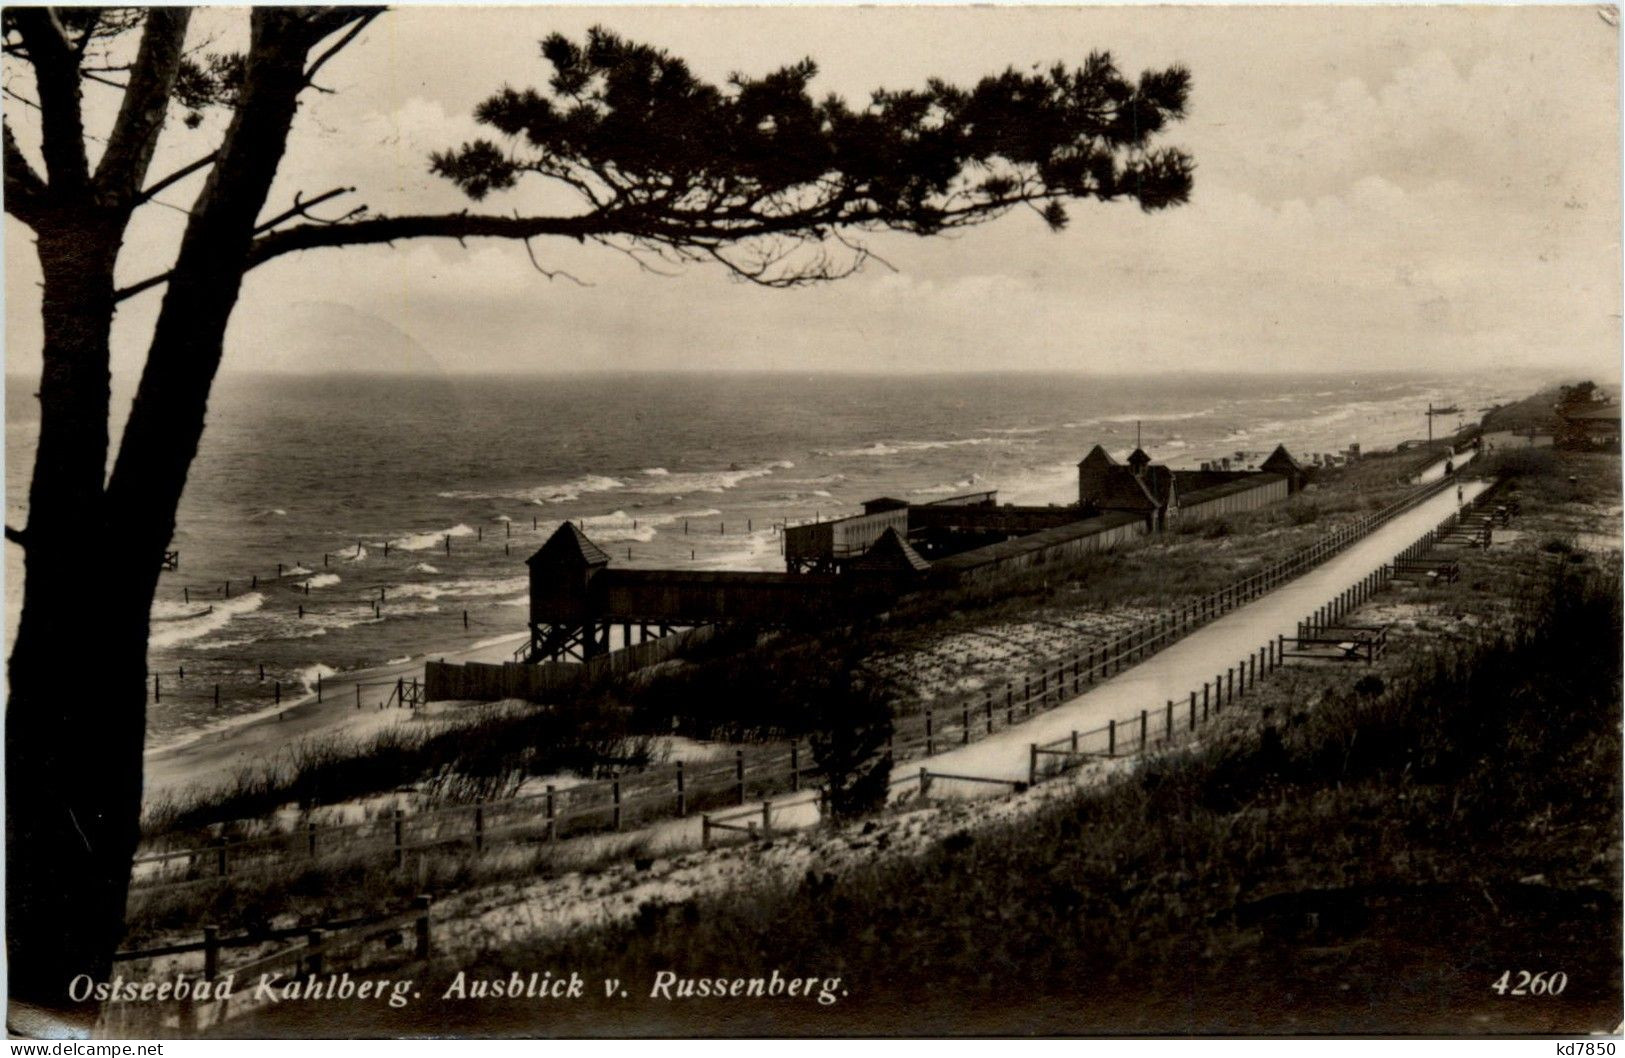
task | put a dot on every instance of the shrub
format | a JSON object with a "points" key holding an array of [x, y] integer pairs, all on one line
{"points": [[850, 721]]}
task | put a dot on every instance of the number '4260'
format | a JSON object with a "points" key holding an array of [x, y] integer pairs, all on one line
{"points": [[1524, 983]]}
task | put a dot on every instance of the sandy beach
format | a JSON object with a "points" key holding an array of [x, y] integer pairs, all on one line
{"points": [[213, 756]]}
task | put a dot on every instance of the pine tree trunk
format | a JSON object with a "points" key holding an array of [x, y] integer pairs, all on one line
{"points": [[76, 720], [76, 706]]}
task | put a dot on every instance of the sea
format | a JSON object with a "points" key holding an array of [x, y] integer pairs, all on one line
{"points": [[338, 523]]}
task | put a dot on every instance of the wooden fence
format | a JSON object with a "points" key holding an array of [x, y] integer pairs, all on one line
{"points": [[480, 681], [217, 989], [684, 789]]}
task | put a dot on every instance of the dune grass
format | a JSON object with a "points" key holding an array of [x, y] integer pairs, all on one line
{"points": [[1373, 867]]}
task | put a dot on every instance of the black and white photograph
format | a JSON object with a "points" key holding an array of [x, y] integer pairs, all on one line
{"points": [[812, 522]]}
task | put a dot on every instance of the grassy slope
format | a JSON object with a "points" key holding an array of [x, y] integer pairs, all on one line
{"points": [[1372, 868]]}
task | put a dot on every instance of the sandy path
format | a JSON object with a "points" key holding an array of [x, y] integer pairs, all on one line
{"points": [[1436, 470], [214, 756]]}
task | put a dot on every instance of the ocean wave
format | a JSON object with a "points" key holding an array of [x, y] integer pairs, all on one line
{"points": [[177, 610], [424, 541], [259, 514], [511, 637], [322, 580], [308, 674], [657, 472], [359, 556], [827, 479], [890, 448], [469, 587], [296, 570], [683, 483], [760, 552], [424, 567], [212, 619], [951, 487], [554, 492], [1172, 416]]}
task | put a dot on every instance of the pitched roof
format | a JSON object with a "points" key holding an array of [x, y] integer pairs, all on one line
{"points": [[1097, 457], [1137, 457], [1281, 460], [891, 553], [1591, 411], [1121, 491], [568, 546]]}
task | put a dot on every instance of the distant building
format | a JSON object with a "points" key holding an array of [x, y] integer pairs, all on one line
{"points": [[1591, 425], [1281, 462]]}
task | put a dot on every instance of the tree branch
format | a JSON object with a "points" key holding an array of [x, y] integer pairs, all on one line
{"points": [[302, 208], [375, 230], [25, 191], [176, 177], [123, 166], [339, 45], [56, 75]]}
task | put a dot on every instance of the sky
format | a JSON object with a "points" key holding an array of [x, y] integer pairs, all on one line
{"points": [[1376, 189]]}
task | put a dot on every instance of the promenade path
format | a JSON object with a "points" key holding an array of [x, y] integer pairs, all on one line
{"points": [[1435, 471], [1171, 673]]}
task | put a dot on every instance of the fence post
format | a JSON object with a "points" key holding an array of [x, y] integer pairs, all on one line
{"points": [[682, 795], [1144, 731], [1074, 675], [420, 904], [767, 820], [1111, 738], [989, 705], [1204, 702], [925, 784], [705, 831], [930, 744], [1193, 710], [964, 725], [1169, 728], [1232, 677], [400, 835], [1032, 764], [315, 939], [479, 827], [739, 774], [211, 952]]}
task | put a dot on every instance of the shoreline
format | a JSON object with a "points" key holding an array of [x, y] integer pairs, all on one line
{"points": [[212, 754]]}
